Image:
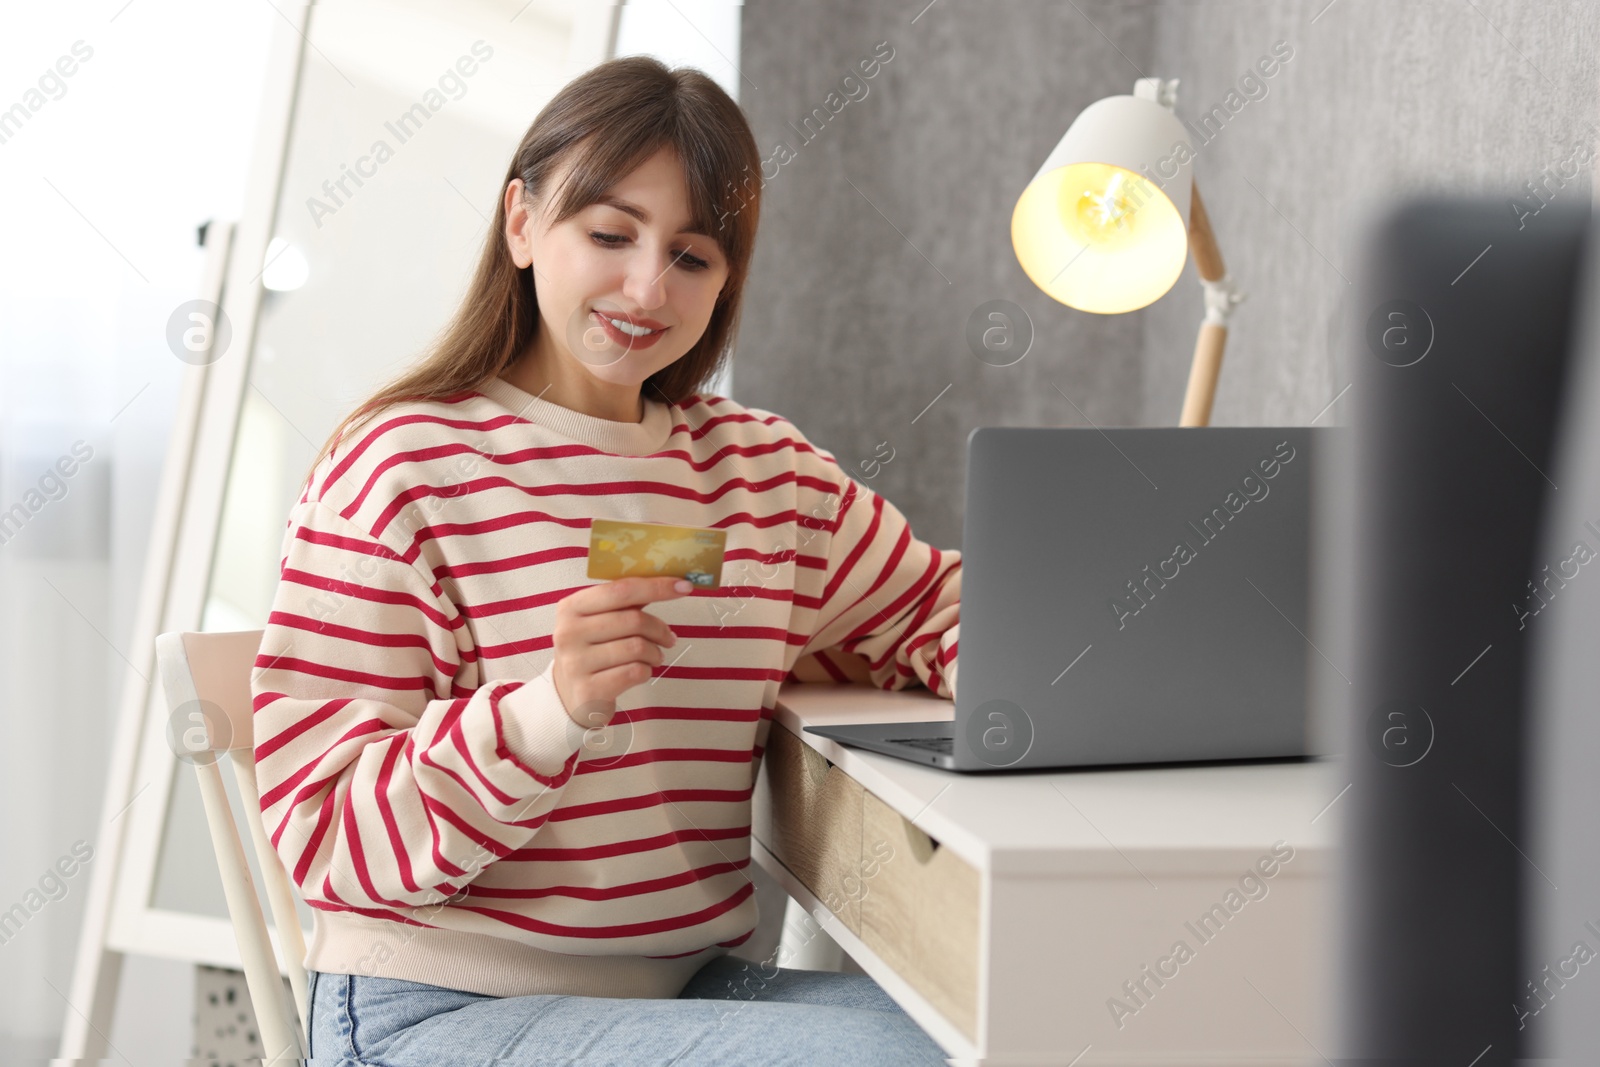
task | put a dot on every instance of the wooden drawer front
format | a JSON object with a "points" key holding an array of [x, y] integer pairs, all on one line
{"points": [[919, 906], [815, 827]]}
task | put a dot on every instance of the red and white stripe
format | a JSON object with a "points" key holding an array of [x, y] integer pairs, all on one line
{"points": [[416, 765]]}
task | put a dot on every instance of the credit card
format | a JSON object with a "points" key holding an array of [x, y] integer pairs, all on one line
{"points": [[650, 549]]}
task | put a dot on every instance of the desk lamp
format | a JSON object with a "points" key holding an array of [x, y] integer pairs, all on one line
{"points": [[1118, 193]]}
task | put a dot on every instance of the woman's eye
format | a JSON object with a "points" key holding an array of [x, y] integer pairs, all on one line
{"points": [[612, 240]]}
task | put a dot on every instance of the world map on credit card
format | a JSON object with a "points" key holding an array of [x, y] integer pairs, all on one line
{"points": [[651, 550]]}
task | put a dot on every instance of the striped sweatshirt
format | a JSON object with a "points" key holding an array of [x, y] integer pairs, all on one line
{"points": [[428, 793]]}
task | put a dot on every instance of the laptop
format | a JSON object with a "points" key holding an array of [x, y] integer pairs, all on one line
{"points": [[1129, 596]]}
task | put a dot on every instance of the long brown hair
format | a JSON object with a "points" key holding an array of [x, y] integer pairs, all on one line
{"points": [[610, 120]]}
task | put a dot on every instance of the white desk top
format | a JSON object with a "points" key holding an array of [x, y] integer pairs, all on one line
{"points": [[1173, 820]]}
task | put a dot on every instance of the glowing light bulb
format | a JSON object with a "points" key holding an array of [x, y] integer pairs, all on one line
{"points": [[1098, 237], [1100, 205]]}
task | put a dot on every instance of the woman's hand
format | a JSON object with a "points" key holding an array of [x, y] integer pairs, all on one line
{"points": [[606, 644]]}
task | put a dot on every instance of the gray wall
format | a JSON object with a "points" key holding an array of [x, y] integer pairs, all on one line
{"points": [[851, 328], [1381, 99]]}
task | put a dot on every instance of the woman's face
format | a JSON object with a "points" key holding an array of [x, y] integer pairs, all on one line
{"points": [[608, 261]]}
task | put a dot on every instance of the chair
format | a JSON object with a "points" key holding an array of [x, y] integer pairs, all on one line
{"points": [[206, 678]]}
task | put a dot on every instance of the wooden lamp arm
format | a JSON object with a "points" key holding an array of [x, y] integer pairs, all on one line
{"points": [[1221, 296]]}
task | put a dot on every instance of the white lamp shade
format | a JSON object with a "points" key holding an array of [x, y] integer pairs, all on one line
{"points": [[1094, 229]]}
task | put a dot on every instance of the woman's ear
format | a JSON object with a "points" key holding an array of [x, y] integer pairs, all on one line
{"points": [[519, 224]]}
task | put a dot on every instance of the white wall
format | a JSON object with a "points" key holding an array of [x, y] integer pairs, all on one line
{"points": [[104, 186]]}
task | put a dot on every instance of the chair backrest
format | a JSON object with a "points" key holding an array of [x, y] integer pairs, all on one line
{"points": [[206, 678]]}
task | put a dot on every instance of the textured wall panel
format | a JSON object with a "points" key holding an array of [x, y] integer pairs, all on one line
{"points": [[891, 225]]}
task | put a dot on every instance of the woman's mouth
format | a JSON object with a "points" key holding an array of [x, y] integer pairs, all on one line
{"points": [[619, 334]]}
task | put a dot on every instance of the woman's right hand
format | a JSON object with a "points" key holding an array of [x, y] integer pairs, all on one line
{"points": [[606, 643]]}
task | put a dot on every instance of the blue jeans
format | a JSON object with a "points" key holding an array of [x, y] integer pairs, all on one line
{"points": [[796, 1017]]}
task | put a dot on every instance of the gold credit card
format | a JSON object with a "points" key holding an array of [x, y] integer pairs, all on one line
{"points": [[651, 550]]}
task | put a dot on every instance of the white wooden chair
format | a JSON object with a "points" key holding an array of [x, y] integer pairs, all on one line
{"points": [[206, 678]]}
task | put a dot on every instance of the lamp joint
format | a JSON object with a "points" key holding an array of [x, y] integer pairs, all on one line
{"points": [[1163, 91], [1221, 297]]}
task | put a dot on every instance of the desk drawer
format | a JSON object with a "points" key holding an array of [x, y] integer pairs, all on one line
{"points": [[920, 912], [815, 828]]}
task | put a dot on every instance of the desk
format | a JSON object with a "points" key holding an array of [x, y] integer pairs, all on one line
{"points": [[1034, 917]]}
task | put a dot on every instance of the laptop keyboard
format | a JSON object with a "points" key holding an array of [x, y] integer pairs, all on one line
{"points": [[946, 745]]}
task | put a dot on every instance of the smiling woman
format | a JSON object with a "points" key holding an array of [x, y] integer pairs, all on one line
{"points": [[627, 257], [523, 831], [636, 131]]}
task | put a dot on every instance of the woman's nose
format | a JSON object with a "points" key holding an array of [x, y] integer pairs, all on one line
{"points": [[647, 280]]}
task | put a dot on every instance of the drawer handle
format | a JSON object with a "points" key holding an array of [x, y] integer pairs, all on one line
{"points": [[921, 845], [817, 765]]}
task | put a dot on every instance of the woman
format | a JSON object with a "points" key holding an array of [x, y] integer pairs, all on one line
{"points": [[518, 801]]}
